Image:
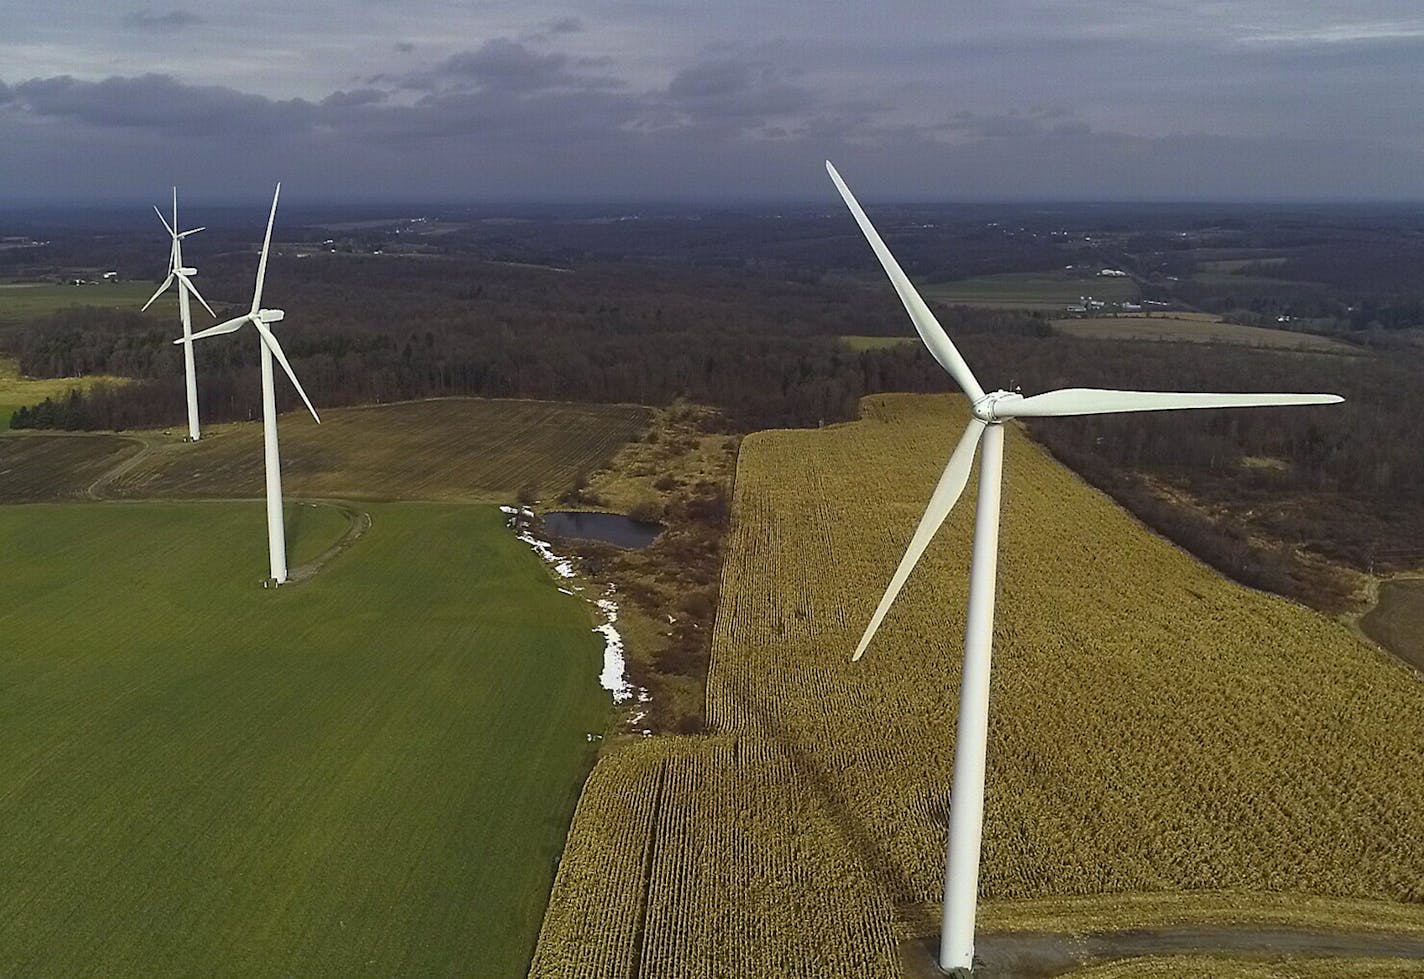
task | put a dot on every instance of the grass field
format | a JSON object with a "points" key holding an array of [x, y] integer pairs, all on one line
{"points": [[1155, 728], [369, 773], [19, 392], [876, 343], [1030, 290], [455, 449], [1197, 329], [23, 301]]}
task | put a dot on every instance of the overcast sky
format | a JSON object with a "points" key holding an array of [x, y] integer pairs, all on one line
{"points": [[733, 100]]}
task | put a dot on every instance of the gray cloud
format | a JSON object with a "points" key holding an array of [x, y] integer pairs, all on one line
{"points": [[157, 102], [170, 20], [564, 25], [508, 65], [1030, 98]]}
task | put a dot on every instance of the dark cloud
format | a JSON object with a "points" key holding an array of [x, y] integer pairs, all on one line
{"points": [[169, 20], [157, 102], [564, 25], [507, 65], [403, 47]]}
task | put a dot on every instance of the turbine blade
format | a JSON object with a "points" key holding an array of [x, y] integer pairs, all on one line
{"points": [[1093, 401], [271, 340], [946, 494], [262, 262], [166, 283], [166, 225], [227, 326], [933, 335], [192, 231], [174, 230], [194, 290]]}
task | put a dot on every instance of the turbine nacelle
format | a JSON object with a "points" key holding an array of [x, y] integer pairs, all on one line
{"points": [[271, 315], [984, 408], [187, 270]]}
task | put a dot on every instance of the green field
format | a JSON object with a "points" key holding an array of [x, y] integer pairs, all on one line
{"points": [[1197, 329], [875, 343], [1029, 290], [19, 392], [369, 773], [20, 301]]}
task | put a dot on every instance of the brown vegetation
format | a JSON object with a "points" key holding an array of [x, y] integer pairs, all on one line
{"points": [[1155, 728], [679, 474]]}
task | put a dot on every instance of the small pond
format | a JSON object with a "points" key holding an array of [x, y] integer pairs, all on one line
{"points": [[613, 528]]}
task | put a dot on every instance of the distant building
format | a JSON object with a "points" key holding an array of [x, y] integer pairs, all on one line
{"points": [[110, 276], [1132, 307], [1114, 273]]}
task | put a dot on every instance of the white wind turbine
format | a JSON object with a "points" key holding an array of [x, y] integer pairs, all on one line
{"points": [[260, 319], [178, 272], [966, 814]]}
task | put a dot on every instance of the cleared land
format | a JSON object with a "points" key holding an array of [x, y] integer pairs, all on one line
{"points": [[1197, 330], [1397, 620], [457, 449], [22, 300], [366, 774], [1155, 728], [1030, 290], [19, 392], [37, 468], [876, 343]]}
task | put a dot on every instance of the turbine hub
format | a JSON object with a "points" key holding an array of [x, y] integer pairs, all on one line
{"points": [[984, 408]]}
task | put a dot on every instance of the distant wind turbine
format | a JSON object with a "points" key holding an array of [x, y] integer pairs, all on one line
{"points": [[181, 274], [261, 319], [966, 813]]}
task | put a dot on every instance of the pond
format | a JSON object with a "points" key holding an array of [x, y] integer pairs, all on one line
{"points": [[614, 528]]}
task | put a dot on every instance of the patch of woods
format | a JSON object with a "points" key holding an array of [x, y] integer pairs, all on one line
{"points": [[360, 331]]}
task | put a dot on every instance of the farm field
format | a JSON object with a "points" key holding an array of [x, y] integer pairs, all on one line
{"points": [[369, 773], [1197, 329], [1156, 731], [21, 301], [40, 468], [454, 449], [1397, 620], [1030, 290], [19, 392]]}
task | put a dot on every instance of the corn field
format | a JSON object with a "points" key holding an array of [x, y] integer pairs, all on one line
{"points": [[1153, 727]]}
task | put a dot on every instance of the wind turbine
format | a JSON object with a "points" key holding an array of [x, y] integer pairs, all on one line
{"points": [[178, 272], [991, 410], [261, 319]]}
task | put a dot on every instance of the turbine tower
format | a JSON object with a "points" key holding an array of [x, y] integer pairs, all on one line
{"points": [[991, 410], [261, 319], [179, 273]]}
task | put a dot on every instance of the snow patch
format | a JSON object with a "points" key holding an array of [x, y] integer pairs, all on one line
{"points": [[614, 676]]}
